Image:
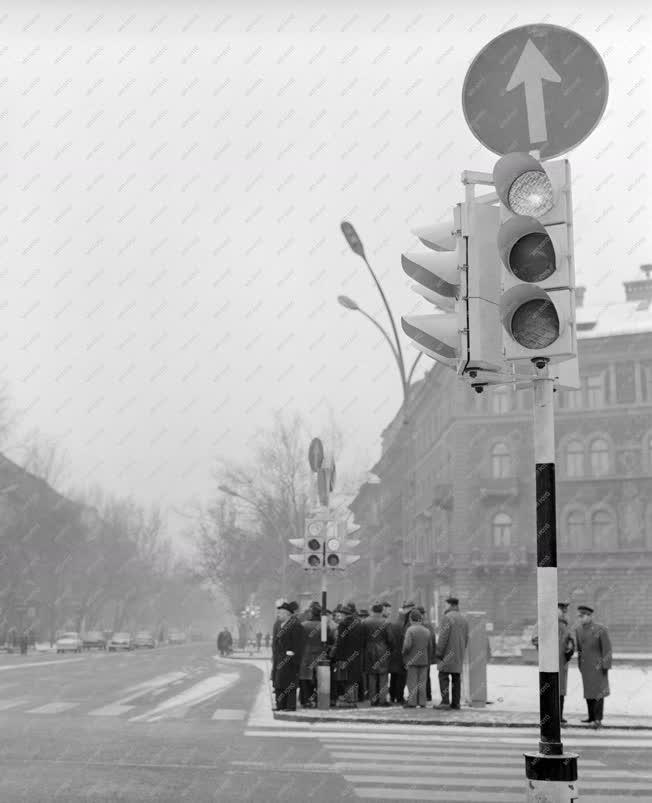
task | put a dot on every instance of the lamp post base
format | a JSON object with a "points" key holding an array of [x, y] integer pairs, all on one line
{"points": [[551, 778]]}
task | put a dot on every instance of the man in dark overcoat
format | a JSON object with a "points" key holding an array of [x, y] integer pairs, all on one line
{"points": [[453, 641], [378, 650], [348, 653], [594, 660], [566, 651], [398, 672], [312, 654], [288, 649]]}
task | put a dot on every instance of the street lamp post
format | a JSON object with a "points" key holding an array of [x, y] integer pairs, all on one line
{"points": [[356, 246], [261, 512]]}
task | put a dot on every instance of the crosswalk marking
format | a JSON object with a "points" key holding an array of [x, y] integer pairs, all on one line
{"points": [[229, 713], [445, 796], [483, 761], [112, 710], [53, 708], [5, 705], [198, 693]]}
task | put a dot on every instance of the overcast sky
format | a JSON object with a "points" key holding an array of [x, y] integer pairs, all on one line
{"points": [[174, 178]]}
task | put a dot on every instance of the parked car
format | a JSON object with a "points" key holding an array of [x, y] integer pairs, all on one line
{"points": [[144, 639], [69, 642], [120, 641], [176, 637], [94, 639]]}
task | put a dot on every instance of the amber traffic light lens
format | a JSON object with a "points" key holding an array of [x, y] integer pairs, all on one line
{"points": [[532, 259]]}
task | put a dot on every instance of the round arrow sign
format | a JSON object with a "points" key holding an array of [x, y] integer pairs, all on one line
{"points": [[315, 454], [538, 87]]}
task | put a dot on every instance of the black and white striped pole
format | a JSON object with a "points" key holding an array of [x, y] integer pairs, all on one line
{"points": [[551, 774]]}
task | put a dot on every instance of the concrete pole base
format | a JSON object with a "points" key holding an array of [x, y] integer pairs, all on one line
{"points": [[551, 778], [324, 685]]}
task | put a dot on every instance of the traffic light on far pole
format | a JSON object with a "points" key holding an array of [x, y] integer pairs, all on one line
{"points": [[338, 546], [312, 545], [535, 242]]}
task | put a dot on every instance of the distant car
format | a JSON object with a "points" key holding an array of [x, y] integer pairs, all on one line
{"points": [[120, 641], [94, 639], [69, 642], [144, 639], [176, 637]]}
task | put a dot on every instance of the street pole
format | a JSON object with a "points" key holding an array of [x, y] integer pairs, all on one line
{"points": [[551, 774], [324, 666]]}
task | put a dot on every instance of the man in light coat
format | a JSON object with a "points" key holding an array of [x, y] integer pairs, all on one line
{"points": [[594, 660], [417, 652], [453, 641]]}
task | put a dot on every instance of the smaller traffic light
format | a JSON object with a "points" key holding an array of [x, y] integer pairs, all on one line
{"points": [[312, 545]]}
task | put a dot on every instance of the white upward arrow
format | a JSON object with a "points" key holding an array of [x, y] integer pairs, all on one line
{"points": [[531, 70]]}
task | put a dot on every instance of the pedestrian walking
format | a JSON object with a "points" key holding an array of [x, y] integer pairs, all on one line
{"points": [[417, 652], [378, 650], [224, 642], [566, 651], [594, 661], [453, 641], [289, 644], [348, 654]]}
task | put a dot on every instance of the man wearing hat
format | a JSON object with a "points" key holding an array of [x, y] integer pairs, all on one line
{"points": [[312, 654], [378, 649], [566, 651], [453, 641], [398, 672], [594, 660], [348, 654], [288, 649]]}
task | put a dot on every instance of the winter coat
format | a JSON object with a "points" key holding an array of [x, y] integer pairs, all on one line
{"points": [[453, 640], [594, 659], [566, 650], [417, 645], [291, 637], [379, 641], [312, 652], [224, 641], [397, 629], [349, 648], [433, 636]]}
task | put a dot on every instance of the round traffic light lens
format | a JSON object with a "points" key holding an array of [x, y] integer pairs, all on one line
{"points": [[535, 324], [333, 544], [313, 560], [532, 258], [531, 194], [333, 560], [315, 527], [314, 544]]}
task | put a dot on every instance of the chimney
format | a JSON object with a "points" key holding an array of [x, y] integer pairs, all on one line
{"points": [[579, 296], [640, 289]]}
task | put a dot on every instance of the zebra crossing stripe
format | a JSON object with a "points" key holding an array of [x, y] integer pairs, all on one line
{"points": [[445, 796], [53, 708], [112, 710], [5, 705]]}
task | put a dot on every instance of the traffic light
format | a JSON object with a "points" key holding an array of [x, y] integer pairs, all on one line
{"points": [[338, 546], [535, 243], [462, 279], [312, 545]]}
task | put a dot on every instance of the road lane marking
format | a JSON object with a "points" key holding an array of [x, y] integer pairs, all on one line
{"points": [[5, 705], [53, 708], [112, 710], [152, 683], [59, 661], [204, 690], [229, 713]]}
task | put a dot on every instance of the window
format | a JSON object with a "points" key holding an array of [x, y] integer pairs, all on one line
{"points": [[573, 399], [575, 459], [602, 527], [501, 461], [576, 531], [646, 376], [599, 457], [648, 450], [625, 382], [648, 525], [500, 401], [594, 391], [501, 528]]}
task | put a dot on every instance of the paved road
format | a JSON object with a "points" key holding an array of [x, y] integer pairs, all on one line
{"points": [[176, 724]]}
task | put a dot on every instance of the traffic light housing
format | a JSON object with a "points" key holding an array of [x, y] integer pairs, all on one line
{"points": [[312, 544], [535, 243], [325, 546]]}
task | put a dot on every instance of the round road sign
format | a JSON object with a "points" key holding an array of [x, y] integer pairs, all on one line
{"points": [[538, 87], [315, 454]]}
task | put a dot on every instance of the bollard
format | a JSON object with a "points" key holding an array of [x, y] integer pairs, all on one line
{"points": [[324, 685]]}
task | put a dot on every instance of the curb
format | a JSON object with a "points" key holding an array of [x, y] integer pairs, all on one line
{"points": [[445, 722]]}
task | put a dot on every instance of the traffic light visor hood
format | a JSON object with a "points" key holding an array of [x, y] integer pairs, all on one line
{"points": [[523, 185], [436, 333], [437, 272], [526, 249], [530, 317], [438, 236]]}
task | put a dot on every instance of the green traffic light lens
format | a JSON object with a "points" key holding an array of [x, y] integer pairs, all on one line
{"points": [[532, 259], [314, 560], [333, 560], [531, 194], [535, 324], [314, 544]]}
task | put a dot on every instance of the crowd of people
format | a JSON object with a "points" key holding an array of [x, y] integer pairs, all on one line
{"points": [[372, 655]]}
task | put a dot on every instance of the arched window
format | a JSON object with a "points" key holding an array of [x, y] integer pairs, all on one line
{"points": [[599, 457], [501, 529], [500, 400], [603, 532], [501, 461], [576, 535], [575, 459]]}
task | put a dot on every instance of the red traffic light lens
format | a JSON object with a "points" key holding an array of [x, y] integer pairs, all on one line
{"points": [[314, 544], [314, 560], [532, 258], [333, 560], [535, 324]]}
